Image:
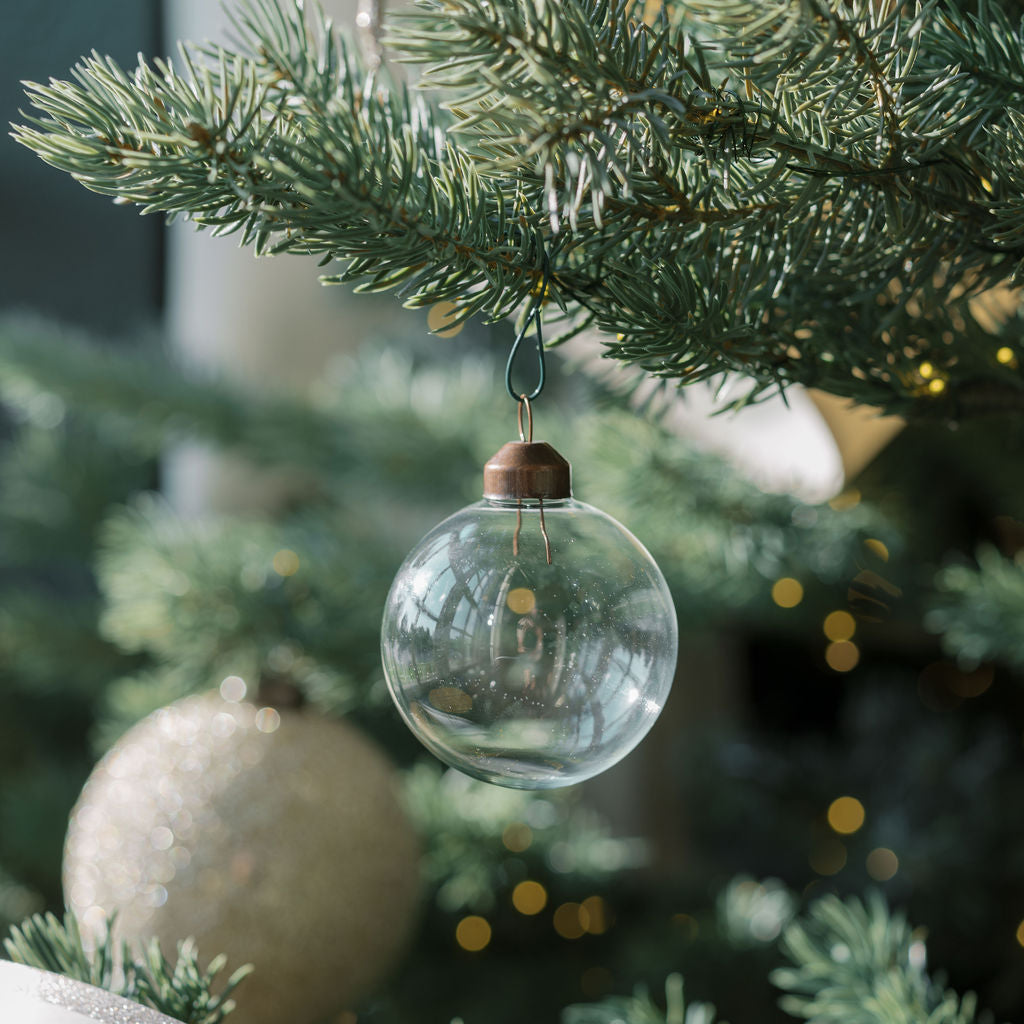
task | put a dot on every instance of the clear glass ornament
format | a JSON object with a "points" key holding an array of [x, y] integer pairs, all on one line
{"points": [[529, 642]]}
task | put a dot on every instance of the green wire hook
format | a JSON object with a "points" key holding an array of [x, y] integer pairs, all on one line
{"points": [[532, 317]]}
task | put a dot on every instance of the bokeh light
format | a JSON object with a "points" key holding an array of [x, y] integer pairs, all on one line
{"points": [[517, 837], [233, 689], [839, 625], [850, 498], [882, 864], [440, 318], [521, 600], [595, 915], [285, 562], [842, 656], [846, 815], [268, 720], [529, 898], [568, 921], [473, 933], [827, 857], [787, 592], [1006, 356]]}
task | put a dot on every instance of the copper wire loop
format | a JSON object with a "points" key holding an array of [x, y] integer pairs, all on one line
{"points": [[528, 436]]}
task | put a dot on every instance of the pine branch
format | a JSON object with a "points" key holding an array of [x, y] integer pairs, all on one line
{"points": [[641, 1009], [179, 989], [464, 822], [979, 612], [807, 191], [857, 963]]}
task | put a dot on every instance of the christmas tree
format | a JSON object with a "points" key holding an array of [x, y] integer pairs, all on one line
{"points": [[760, 195]]}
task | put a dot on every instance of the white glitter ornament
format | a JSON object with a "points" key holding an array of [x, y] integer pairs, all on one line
{"points": [[31, 996], [275, 838]]}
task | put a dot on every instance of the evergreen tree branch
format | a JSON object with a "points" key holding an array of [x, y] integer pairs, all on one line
{"points": [[735, 188], [179, 989], [855, 962], [979, 612], [641, 1009]]}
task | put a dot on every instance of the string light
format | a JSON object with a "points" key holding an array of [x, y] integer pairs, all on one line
{"points": [[839, 625], [926, 370], [828, 857], [846, 815], [1006, 356], [936, 385], [568, 921], [529, 898], [440, 318], [594, 915], [517, 837], [787, 592], [882, 864], [285, 562], [842, 656], [473, 933]]}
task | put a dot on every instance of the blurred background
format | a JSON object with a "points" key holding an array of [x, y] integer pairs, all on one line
{"points": [[210, 469]]}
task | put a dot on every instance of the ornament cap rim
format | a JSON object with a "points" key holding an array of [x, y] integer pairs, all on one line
{"points": [[527, 469]]}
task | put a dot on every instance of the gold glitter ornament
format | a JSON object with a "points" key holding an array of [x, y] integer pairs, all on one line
{"points": [[273, 837]]}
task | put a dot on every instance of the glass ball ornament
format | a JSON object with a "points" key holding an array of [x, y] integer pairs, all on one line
{"points": [[529, 640]]}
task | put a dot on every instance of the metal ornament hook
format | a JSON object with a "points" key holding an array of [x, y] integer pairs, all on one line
{"points": [[533, 317], [528, 436]]}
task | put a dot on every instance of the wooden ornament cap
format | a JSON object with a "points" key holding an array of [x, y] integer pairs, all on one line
{"points": [[527, 469]]}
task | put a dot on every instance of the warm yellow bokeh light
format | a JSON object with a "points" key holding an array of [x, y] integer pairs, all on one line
{"points": [[568, 921], [926, 370], [529, 898], [842, 656], [594, 915], [971, 684], [848, 499], [517, 837], [936, 386], [451, 700], [787, 592], [839, 625], [1020, 933], [285, 562], [521, 600], [846, 815], [828, 857], [473, 933], [1005, 356], [882, 864], [440, 317], [876, 547]]}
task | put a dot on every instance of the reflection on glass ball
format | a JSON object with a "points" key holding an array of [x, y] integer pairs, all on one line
{"points": [[520, 672]]}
